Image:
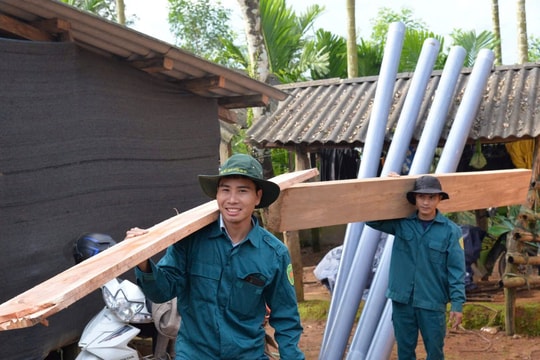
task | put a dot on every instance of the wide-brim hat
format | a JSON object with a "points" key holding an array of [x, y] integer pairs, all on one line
{"points": [[243, 165], [426, 185]]}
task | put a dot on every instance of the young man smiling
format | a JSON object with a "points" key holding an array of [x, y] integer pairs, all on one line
{"points": [[225, 274], [427, 271]]}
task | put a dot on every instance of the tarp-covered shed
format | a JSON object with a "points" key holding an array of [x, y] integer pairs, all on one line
{"points": [[102, 128]]}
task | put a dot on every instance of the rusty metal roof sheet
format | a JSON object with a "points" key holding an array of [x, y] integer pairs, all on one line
{"points": [[336, 112], [49, 20]]}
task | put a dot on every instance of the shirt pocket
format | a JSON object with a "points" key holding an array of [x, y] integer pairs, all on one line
{"points": [[437, 252], [204, 281], [246, 293], [405, 241]]}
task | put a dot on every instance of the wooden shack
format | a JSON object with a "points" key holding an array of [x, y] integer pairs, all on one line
{"points": [[101, 128]]}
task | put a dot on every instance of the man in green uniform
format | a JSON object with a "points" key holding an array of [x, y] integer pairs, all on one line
{"points": [[225, 274], [427, 271]]}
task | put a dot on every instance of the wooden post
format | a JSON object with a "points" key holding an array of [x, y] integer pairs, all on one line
{"points": [[513, 246], [292, 240]]}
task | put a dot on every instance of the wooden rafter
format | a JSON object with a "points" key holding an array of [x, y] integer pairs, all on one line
{"points": [[236, 102], [23, 30], [154, 65]]}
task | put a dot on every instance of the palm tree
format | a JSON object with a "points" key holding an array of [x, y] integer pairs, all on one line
{"points": [[352, 53], [523, 47], [473, 43], [496, 30]]}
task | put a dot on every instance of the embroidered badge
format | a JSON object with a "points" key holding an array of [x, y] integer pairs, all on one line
{"points": [[290, 274], [461, 242]]}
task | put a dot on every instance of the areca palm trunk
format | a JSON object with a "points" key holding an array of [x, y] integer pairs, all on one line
{"points": [[523, 46], [495, 19], [352, 50], [121, 12]]}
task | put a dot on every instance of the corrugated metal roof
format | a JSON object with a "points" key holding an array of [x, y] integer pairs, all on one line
{"points": [[49, 20], [336, 112]]}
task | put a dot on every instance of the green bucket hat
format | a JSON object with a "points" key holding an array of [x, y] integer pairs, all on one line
{"points": [[426, 185], [243, 165]]}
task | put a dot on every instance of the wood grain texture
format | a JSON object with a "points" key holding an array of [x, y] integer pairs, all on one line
{"points": [[37, 304], [318, 204]]}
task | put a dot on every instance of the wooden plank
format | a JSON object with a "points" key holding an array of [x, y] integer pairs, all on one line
{"points": [[37, 304], [318, 204]]}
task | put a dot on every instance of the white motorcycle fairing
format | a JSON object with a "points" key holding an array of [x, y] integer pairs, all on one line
{"points": [[106, 338]]}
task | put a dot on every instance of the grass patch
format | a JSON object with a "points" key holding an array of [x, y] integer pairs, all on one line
{"points": [[475, 315], [318, 310]]}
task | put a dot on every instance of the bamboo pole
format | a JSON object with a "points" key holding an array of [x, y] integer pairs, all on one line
{"points": [[519, 281], [520, 259]]}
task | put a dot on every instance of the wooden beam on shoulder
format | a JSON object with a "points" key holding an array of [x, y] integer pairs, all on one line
{"points": [[37, 304], [319, 204]]}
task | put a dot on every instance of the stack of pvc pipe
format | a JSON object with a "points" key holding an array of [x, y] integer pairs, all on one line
{"points": [[374, 335]]}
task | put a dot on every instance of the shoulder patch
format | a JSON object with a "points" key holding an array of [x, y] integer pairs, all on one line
{"points": [[461, 243], [290, 274]]}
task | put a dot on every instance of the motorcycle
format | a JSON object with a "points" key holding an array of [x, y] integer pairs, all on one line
{"points": [[108, 334]]}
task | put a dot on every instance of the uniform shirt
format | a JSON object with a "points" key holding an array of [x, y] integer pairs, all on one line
{"points": [[427, 267], [222, 291]]}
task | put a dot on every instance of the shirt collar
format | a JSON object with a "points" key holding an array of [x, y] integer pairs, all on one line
{"points": [[251, 236]]}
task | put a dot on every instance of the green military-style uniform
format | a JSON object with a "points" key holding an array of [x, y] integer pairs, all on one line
{"points": [[427, 271], [222, 291]]}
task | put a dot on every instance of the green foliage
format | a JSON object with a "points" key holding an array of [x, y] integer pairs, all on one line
{"points": [[473, 43], [503, 221], [412, 47], [103, 8], [280, 161], [369, 58], [416, 33], [290, 53], [386, 16], [534, 48], [201, 27], [335, 48]]}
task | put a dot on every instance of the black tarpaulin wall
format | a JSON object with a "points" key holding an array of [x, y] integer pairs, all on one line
{"points": [[87, 144]]}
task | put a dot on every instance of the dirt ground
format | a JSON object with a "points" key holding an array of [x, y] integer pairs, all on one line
{"points": [[463, 344]]}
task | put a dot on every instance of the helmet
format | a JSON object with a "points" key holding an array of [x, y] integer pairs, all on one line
{"points": [[90, 244]]}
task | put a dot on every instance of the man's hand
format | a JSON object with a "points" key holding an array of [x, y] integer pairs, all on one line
{"points": [[133, 232], [455, 319]]}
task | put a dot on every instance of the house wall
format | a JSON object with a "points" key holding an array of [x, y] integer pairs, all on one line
{"points": [[87, 144]]}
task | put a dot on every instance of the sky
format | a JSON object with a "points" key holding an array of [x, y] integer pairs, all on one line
{"points": [[440, 16]]}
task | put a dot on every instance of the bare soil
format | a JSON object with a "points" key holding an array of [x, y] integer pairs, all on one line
{"points": [[487, 344]]}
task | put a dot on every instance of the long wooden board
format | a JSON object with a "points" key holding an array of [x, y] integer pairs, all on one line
{"points": [[318, 204], [37, 304]]}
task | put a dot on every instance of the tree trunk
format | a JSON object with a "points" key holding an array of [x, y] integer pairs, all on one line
{"points": [[258, 56], [523, 46], [121, 12], [352, 51], [495, 19]]}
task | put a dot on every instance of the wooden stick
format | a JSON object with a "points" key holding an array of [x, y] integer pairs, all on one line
{"points": [[49, 297], [318, 204]]}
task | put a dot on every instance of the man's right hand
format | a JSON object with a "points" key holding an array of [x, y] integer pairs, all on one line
{"points": [[134, 232]]}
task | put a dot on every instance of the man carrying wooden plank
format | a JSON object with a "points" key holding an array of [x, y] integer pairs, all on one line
{"points": [[427, 271], [226, 273]]}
